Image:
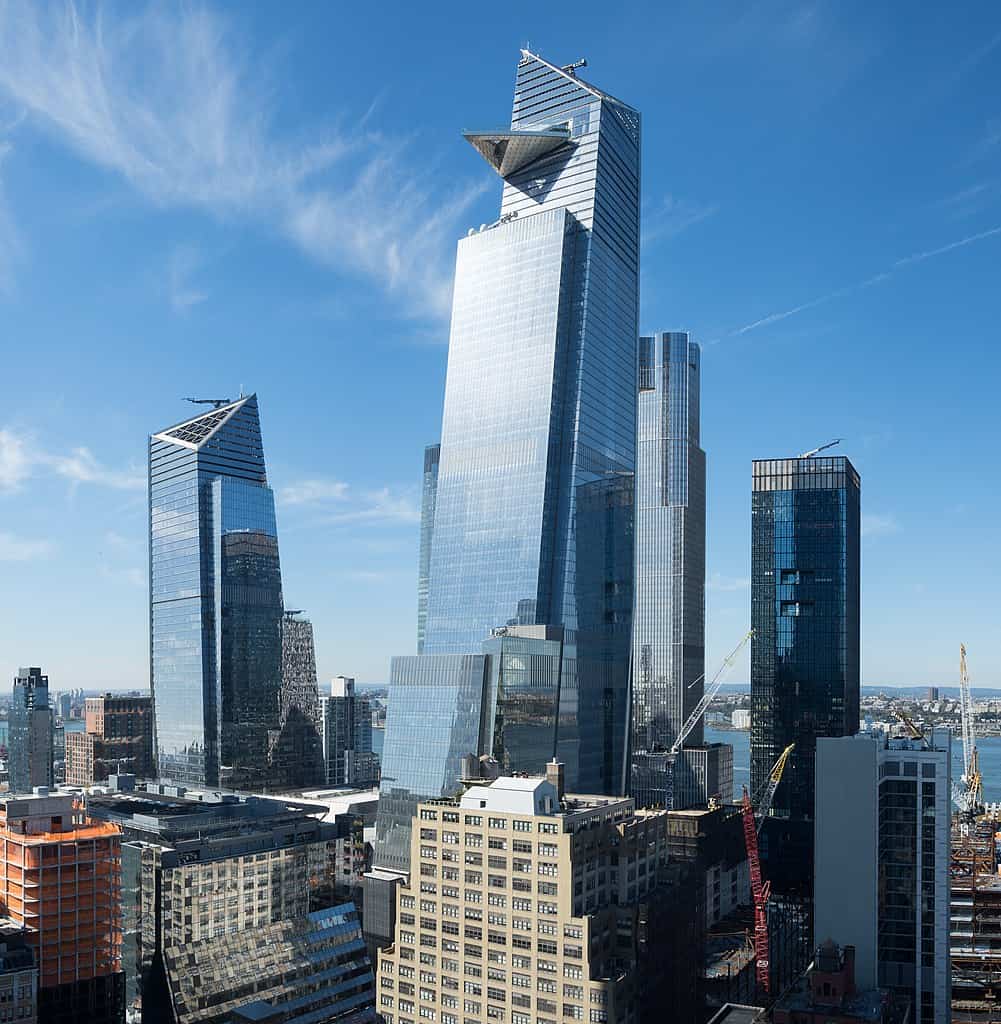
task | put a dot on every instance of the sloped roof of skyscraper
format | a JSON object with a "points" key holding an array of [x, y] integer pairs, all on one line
{"points": [[195, 432], [628, 115]]}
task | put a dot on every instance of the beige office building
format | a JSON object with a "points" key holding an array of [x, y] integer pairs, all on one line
{"points": [[523, 908]]}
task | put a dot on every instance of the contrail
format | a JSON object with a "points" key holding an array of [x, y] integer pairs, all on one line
{"points": [[906, 261]]}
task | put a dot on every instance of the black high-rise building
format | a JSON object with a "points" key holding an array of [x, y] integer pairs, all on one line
{"points": [[805, 528]]}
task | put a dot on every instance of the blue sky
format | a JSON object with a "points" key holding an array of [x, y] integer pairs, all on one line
{"points": [[195, 199]]}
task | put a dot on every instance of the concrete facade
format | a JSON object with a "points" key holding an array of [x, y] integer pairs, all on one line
{"points": [[882, 834]]}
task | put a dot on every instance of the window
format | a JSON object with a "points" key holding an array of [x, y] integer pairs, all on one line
{"points": [[796, 608], [646, 365]]}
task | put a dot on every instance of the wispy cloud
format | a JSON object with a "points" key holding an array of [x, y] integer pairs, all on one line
{"points": [[21, 459], [19, 549], [728, 584], [672, 215], [15, 460], [132, 576], [308, 492], [10, 244], [885, 275], [337, 502], [879, 525], [183, 263], [170, 99]]}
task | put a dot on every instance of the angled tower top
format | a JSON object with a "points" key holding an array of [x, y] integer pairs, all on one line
{"points": [[537, 132], [195, 432], [508, 150]]}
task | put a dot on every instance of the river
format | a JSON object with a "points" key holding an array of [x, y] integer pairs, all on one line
{"points": [[989, 748]]}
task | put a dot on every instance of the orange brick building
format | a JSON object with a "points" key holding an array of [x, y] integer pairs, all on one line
{"points": [[60, 878]]}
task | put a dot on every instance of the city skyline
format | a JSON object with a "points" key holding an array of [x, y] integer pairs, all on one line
{"points": [[71, 501]]}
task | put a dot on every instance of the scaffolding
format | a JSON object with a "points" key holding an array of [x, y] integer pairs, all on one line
{"points": [[975, 921]]}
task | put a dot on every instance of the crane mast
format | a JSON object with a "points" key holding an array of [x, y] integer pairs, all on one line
{"points": [[971, 758], [761, 890]]}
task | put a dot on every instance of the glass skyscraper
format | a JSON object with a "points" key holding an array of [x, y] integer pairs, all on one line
{"points": [[540, 397], [215, 599], [805, 580], [30, 741], [429, 490], [668, 665]]}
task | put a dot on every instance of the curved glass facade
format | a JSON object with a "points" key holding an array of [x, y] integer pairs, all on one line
{"points": [[215, 599]]}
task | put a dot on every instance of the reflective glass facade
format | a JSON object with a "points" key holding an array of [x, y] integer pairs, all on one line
{"points": [[805, 532], [297, 752], [215, 599], [432, 722], [540, 397], [523, 698], [504, 703], [30, 738], [669, 614], [429, 491]]}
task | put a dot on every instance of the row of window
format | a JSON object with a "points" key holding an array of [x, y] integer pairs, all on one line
{"points": [[476, 820]]}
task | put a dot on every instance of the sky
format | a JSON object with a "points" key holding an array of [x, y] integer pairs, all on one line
{"points": [[198, 199]]}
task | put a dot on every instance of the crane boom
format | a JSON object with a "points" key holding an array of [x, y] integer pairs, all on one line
{"points": [[774, 778], [217, 403], [816, 451], [707, 698]]}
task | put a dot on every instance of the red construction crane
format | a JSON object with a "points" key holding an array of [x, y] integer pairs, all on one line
{"points": [[760, 889]]}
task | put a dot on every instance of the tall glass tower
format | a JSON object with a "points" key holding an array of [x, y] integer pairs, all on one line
{"points": [[540, 396], [31, 733], [215, 600], [429, 490], [669, 613], [805, 581]]}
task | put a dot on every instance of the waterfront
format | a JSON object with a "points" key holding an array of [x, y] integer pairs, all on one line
{"points": [[989, 748]]}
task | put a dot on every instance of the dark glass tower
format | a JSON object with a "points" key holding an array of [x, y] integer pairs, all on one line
{"points": [[805, 529], [30, 742], [297, 752], [215, 600], [540, 397]]}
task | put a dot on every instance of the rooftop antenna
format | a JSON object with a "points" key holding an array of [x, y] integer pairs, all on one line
{"points": [[571, 69], [814, 451], [217, 403]]}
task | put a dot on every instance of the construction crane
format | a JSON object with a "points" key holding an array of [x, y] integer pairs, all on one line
{"points": [[710, 693], [914, 732], [774, 778], [960, 797], [216, 403], [816, 451], [760, 889], [971, 759], [666, 759]]}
